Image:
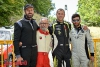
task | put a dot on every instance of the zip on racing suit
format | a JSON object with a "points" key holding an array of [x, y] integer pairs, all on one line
{"points": [[81, 40], [61, 50]]}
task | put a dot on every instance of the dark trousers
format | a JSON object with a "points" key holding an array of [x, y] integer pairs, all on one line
{"points": [[64, 65], [62, 56], [30, 55]]}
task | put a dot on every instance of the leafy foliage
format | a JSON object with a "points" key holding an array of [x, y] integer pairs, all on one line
{"points": [[42, 7], [10, 10], [52, 19], [89, 11]]}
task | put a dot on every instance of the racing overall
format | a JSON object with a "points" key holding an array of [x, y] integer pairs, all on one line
{"points": [[81, 40], [27, 35], [61, 50], [44, 45]]}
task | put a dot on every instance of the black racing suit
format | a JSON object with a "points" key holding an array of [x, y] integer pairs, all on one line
{"points": [[27, 35], [62, 51]]}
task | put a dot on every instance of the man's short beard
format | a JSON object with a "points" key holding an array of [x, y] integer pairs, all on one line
{"points": [[76, 25], [44, 29], [29, 17]]}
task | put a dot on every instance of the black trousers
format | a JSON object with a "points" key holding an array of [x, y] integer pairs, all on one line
{"points": [[61, 56], [30, 55]]}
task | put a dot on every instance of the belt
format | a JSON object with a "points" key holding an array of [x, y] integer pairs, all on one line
{"points": [[34, 46], [42, 53], [29, 46]]}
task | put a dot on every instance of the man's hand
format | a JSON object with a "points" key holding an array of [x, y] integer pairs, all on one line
{"points": [[92, 58], [20, 44], [19, 60], [85, 27]]}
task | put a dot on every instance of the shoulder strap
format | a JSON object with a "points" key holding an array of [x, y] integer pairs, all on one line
{"points": [[68, 24], [19, 23], [53, 30], [54, 27]]}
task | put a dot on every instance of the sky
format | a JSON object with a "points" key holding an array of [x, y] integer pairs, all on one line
{"points": [[71, 7]]}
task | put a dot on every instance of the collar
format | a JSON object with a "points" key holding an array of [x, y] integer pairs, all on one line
{"points": [[60, 22], [80, 27], [42, 32]]}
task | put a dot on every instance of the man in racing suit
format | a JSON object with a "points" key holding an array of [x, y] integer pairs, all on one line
{"points": [[44, 43], [60, 30], [80, 40], [25, 32]]}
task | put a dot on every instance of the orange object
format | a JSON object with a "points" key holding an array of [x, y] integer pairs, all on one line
{"points": [[42, 60]]}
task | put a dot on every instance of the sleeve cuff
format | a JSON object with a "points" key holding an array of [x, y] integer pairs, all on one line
{"points": [[92, 54], [17, 56]]}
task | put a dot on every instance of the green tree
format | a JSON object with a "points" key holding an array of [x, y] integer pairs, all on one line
{"points": [[11, 10], [89, 11], [8, 9], [42, 7], [51, 19]]}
